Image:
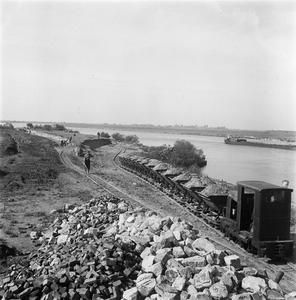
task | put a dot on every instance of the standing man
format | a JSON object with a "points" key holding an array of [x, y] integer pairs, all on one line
{"points": [[86, 161]]}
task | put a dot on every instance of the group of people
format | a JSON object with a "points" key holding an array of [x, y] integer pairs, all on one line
{"points": [[66, 142]]}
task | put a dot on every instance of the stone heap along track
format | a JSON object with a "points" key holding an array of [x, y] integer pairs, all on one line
{"points": [[273, 269]]}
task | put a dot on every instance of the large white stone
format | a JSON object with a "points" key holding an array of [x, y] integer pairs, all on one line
{"points": [[156, 269], [191, 290], [274, 286], [145, 287], [218, 291], [163, 255], [144, 276], [179, 283], [178, 252], [203, 244], [147, 262], [254, 284], [130, 294], [62, 239], [202, 280]]}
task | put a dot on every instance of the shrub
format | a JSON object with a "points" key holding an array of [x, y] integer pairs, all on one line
{"points": [[132, 139], [47, 127], [185, 154], [60, 127], [118, 137], [162, 153]]}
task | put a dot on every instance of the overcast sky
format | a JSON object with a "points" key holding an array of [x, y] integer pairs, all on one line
{"points": [[148, 62]]}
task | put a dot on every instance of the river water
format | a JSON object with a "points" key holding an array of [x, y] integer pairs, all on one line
{"points": [[228, 162]]}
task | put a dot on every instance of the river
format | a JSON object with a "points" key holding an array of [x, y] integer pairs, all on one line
{"points": [[228, 162]]}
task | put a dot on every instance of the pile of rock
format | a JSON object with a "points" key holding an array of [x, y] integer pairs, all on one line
{"points": [[106, 250]]}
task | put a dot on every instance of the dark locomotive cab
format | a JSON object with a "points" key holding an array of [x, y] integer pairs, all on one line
{"points": [[260, 218]]}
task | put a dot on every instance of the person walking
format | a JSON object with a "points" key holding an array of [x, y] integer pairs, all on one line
{"points": [[86, 161]]}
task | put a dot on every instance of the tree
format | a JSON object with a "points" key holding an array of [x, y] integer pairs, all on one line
{"points": [[132, 139], [30, 125], [47, 127], [60, 127], [118, 137], [98, 134], [185, 154]]}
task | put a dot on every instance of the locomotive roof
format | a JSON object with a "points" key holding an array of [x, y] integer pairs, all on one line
{"points": [[260, 185]]}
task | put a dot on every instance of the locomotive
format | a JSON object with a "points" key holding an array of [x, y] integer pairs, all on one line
{"points": [[255, 214]]}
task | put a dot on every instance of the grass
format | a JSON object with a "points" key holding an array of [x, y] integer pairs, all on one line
{"points": [[36, 214], [84, 195]]}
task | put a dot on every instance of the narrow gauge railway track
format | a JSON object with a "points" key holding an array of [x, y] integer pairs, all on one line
{"points": [[113, 191], [272, 269], [218, 238], [97, 180]]}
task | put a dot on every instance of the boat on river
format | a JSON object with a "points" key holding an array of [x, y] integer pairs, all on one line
{"points": [[240, 141]]}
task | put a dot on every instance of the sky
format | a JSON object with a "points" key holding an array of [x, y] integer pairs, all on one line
{"points": [[230, 63]]}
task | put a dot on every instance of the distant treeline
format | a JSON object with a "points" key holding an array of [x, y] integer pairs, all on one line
{"points": [[118, 137], [222, 131], [48, 127]]}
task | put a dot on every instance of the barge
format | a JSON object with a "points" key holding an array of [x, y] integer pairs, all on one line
{"points": [[244, 142]]}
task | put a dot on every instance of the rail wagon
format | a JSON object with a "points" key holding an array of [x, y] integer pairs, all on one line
{"points": [[259, 218], [256, 214]]}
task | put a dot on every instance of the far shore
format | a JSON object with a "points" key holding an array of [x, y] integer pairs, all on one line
{"points": [[282, 135]]}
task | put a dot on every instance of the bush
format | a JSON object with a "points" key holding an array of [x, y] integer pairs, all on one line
{"points": [[162, 153], [47, 127], [6, 126], [185, 154], [60, 127], [132, 139], [118, 137]]}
